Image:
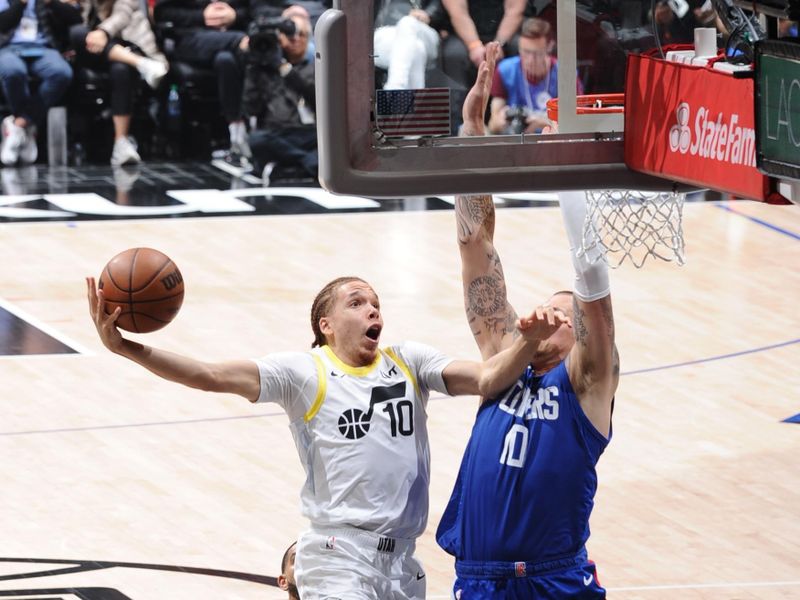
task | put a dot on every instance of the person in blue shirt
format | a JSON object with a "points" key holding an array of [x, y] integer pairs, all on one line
{"points": [[522, 85], [32, 32], [518, 519]]}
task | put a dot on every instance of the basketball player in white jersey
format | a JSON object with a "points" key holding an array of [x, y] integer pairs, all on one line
{"points": [[357, 414]]}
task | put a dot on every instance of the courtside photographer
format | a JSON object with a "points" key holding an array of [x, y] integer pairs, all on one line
{"points": [[279, 95]]}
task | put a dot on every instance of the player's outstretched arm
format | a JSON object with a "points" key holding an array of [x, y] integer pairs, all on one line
{"points": [[491, 318], [498, 373], [234, 377], [474, 109], [593, 361]]}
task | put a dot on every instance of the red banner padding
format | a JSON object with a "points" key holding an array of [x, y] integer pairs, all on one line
{"points": [[692, 124]]}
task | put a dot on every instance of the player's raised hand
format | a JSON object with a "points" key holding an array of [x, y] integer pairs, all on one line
{"points": [[543, 322], [474, 108], [105, 324]]}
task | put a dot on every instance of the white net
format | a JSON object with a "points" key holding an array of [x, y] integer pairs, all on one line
{"points": [[633, 225]]}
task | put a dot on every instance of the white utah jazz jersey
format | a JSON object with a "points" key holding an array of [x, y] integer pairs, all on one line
{"points": [[361, 433]]}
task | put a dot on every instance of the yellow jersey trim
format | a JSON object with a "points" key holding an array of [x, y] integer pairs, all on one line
{"points": [[356, 371], [322, 389], [404, 368]]}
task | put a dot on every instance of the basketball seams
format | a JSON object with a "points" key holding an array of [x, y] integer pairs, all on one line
{"points": [[132, 271], [111, 279], [154, 276]]}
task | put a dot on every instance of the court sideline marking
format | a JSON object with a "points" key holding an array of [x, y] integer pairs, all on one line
{"points": [[728, 207]]}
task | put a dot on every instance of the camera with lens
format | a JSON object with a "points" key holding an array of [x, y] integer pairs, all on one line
{"points": [[265, 48], [516, 119]]}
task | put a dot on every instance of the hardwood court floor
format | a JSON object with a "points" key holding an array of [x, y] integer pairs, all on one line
{"points": [[699, 489]]}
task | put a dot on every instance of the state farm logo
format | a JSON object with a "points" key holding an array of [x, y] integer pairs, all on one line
{"points": [[722, 139], [680, 137]]}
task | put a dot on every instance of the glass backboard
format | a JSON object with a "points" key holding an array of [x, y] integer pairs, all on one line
{"points": [[361, 154]]}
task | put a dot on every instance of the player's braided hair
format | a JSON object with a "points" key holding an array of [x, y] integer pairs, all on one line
{"points": [[322, 305]]}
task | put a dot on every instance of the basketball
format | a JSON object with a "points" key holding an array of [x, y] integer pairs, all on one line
{"points": [[146, 285]]}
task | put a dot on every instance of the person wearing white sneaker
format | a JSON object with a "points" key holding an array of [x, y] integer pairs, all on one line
{"points": [[124, 152], [13, 139], [29, 30], [116, 36], [151, 70]]}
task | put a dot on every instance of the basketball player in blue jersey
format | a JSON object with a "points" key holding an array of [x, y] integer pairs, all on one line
{"points": [[518, 518], [357, 415]]}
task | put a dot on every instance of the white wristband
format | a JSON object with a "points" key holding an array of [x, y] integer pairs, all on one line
{"points": [[591, 271]]}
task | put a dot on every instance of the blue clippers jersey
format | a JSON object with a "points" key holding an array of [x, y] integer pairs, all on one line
{"points": [[527, 481]]}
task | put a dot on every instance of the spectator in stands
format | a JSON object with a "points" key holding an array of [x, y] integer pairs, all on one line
{"points": [[474, 23], [279, 100], [406, 40], [522, 85], [299, 10], [116, 36], [31, 34], [212, 35], [286, 9]]}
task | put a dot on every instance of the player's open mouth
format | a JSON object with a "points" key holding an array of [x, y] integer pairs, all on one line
{"points": [[374, 332]]}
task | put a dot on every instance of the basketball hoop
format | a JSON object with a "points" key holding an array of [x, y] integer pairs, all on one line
{"points": [[627, 224]]}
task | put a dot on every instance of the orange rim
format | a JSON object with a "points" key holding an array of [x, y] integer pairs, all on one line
{"points": [[590, 104]]}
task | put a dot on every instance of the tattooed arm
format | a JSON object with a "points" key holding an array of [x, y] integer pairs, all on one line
{"points": [[491, 318], [593, 361]]}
